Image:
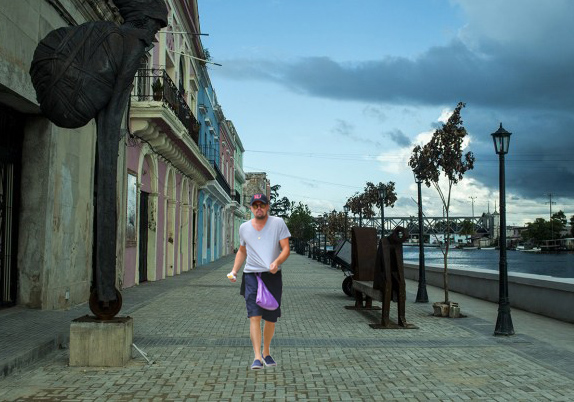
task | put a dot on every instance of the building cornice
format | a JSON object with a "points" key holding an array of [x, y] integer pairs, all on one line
{"points": [[166, 135]]}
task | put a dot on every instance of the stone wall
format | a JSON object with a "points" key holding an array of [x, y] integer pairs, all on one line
{"points": [[255, 183], [550, 297], [54, 264]]}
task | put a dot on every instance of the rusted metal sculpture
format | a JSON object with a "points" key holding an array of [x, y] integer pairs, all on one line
{"points": [[363, 258], [86, 72], [390, 277]]}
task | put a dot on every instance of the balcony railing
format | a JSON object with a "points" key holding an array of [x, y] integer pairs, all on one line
{"points": [[221, 180], [155, 85], [210, 154]]}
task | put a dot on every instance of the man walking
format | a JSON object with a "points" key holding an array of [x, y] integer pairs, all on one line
{"points": [[264, 246]]}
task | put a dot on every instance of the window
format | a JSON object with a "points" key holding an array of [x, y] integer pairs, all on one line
{"points": [[131, 209]]}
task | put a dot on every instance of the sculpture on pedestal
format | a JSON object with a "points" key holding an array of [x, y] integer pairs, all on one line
{"points": [[86, 72]]}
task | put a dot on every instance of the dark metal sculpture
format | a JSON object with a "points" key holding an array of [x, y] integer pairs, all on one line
{"points": [[363, 258], [86, 72], [390, 277]]}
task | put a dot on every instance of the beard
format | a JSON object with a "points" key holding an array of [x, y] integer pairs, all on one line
{"points": [[261, 217]]}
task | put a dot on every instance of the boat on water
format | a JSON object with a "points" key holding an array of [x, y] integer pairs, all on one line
{"points": [[527, 249], [465, 247], [532, 250]]}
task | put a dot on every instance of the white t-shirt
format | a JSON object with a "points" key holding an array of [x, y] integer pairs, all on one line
{"points": [[262, 246]]}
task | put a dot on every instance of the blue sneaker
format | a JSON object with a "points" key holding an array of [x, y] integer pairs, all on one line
{"points": [[268, 360], [257, 365]]}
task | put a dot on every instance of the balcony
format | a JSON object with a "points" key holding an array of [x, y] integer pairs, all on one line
{"points": [[155, 85], [239, 173], [221, 180], [210, 154]]}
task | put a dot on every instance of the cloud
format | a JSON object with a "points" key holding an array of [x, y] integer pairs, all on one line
{"points": [[376, 113], [399, 138], [346, 129], [511, 63], [343, 128]]}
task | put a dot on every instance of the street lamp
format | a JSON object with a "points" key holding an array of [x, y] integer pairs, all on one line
{"points": [[319, 255], [504, 326], [325, 224], [382, 196], [360, 213], [422, 296], [346, 209], [316, 242]]}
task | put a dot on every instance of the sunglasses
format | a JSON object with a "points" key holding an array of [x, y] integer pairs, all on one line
{"points": [[258, 206]]}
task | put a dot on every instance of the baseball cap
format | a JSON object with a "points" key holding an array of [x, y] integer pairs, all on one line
{"points": [[259, 197]]}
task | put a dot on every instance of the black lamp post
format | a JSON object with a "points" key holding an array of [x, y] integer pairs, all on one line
{"points": [[325, 223], [504, 321], [382, 196], [422, 296], [360, 214], [346, 209], [317, 243]]}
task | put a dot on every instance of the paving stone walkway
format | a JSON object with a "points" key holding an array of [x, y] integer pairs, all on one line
{"points": [[194, 330]]}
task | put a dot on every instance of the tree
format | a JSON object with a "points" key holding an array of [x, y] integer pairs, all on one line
{"points": [[362, 204], [279, 206], [558, 224], [467, 227], [540, 230], [301, 224], [335, 226], [536, 232], [572, 225], [443, 155]]}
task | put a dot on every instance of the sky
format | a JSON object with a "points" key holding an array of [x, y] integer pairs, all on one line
{"points": [[328, 95]]}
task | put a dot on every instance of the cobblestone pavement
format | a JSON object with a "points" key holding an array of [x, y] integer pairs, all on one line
{"points": [[194, 329]]}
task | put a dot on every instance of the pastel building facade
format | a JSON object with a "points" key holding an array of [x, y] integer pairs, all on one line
{"points": [[173, 211]]}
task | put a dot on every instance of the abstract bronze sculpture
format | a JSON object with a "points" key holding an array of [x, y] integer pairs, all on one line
{"points": [[390, 277], [86, 72]]}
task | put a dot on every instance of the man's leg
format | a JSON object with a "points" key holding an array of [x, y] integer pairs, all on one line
{"points": [[268, 332], [255, 332]]}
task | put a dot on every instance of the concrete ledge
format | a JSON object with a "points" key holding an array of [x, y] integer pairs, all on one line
{"points": [[27, 357], [538, 294], [99, 343]]}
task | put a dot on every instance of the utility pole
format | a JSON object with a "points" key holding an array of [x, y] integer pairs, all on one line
{"points": [[472, 201], [472, 198], [551, 223]]}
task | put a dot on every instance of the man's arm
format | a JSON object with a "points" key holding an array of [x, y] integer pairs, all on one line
{"points": [[240, 257], [285, 251]]}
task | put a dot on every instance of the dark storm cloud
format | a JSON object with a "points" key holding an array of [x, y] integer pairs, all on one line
{"points": [[541, 154], [442, 76], [513, 63]]}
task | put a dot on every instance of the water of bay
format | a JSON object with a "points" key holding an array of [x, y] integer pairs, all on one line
{"points": [[559, 265]]}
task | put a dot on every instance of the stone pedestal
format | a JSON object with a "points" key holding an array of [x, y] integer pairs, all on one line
{"points": [[101, 343]]}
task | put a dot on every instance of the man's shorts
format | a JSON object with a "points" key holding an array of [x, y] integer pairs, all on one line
{"points": [[274, 283]]}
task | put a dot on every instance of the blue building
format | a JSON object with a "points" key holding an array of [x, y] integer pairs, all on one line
{"points": [[215, 224]]}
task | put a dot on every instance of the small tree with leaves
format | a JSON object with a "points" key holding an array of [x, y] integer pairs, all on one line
{"points": [[467, 227], [362, 203], [279, 206], [301, 224], [335, 227], [443, 156]]}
